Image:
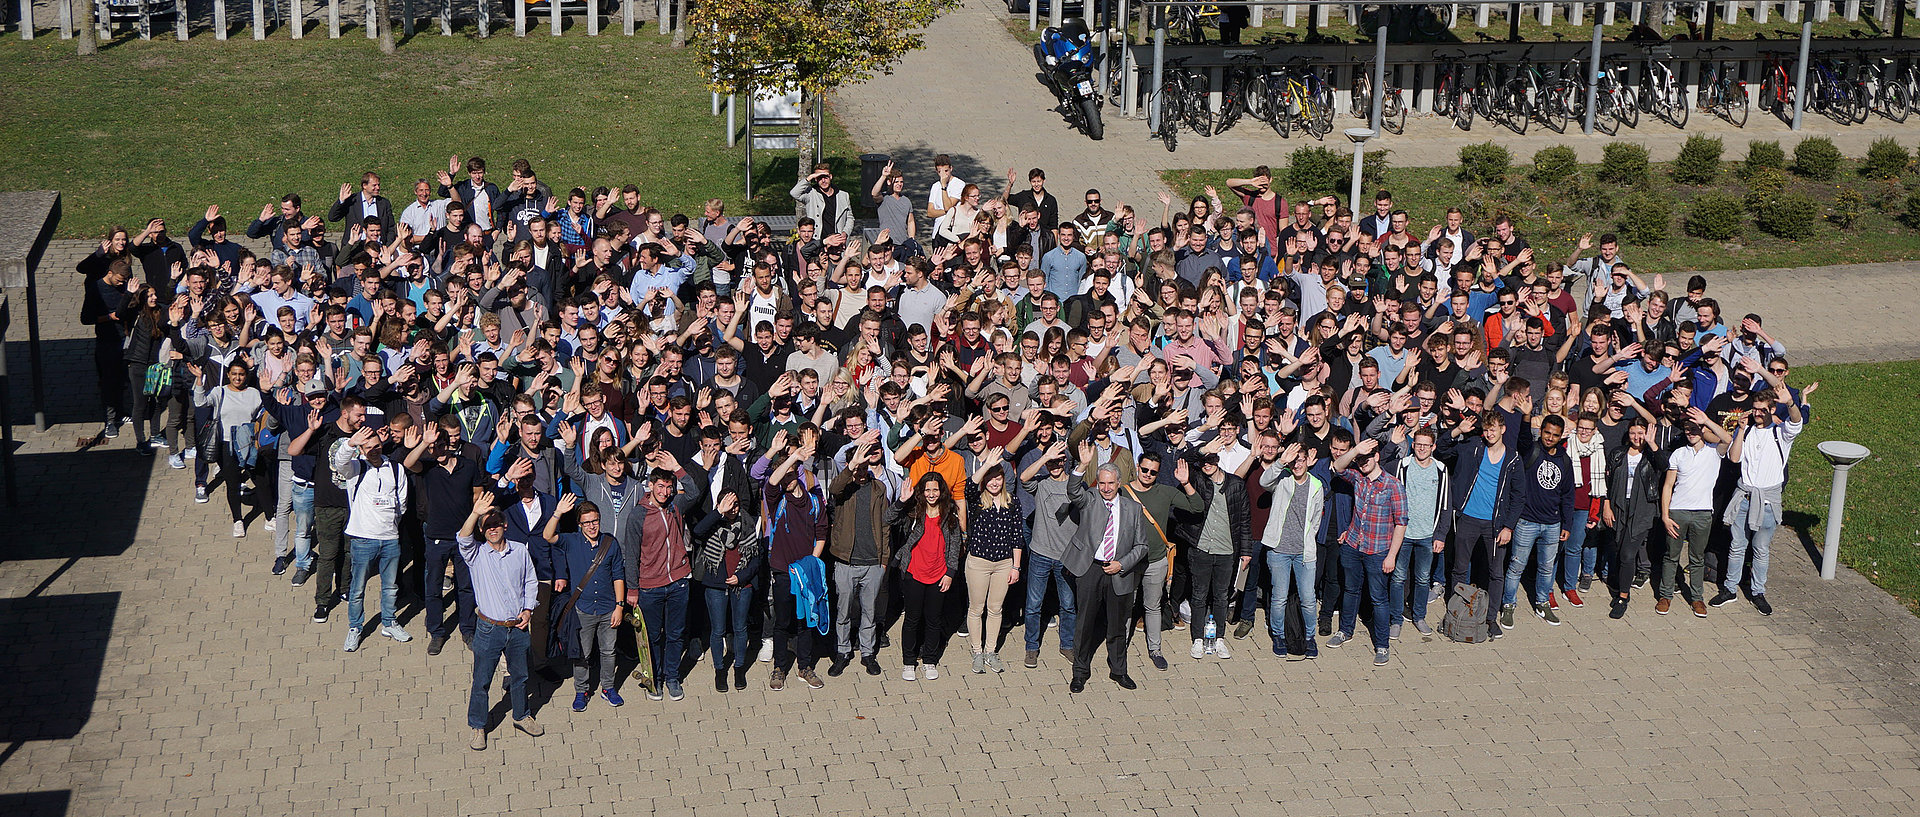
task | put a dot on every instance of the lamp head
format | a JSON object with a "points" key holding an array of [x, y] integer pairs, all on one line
{"points": [[1843, 454], [1359, 136]]}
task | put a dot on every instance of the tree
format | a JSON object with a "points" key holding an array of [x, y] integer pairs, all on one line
{"points": [[383, 11], [813, 46], [89, 44]]}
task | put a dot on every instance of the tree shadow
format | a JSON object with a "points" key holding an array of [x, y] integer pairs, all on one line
{"points": [[36, 803]]}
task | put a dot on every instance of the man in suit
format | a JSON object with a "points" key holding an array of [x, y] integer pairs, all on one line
{"points": [[526, 516], [368, 203], [1105, 553]]}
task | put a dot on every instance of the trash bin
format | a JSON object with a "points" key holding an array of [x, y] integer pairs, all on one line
{"points": [[871, 164]]}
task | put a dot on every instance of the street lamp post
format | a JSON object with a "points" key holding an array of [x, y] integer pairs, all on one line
{"points": [[1359, 137], [1843, 455]]}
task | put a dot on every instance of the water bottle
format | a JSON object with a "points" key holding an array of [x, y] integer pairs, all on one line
{"points": [[1212, 633]]}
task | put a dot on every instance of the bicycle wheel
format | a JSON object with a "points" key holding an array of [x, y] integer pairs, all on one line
{"points": [[1676, 104], [1323, 107], [1894, 102], [1518, 108], [1194, 98], [1554, 111], [1393, 112], [1231, 107], [1736, 105], [1463, 109], [1255, 97], [1169, 107], [1443, 96], [1431, 20], [1624, 108], [1860, 101], [1280, 109], [1360, 102], [1769, 95]]}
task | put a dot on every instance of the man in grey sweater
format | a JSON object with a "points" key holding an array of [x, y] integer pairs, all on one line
{"points": [[1045, 477]]}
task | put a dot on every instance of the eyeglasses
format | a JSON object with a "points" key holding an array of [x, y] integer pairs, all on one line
{"points": [[1778, 371]]}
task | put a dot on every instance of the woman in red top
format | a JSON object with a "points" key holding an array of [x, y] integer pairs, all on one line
{"points": [[929, 560]]}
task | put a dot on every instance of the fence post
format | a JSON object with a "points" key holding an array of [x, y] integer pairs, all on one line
{"points": [[553, 13], [663, 12], [626, 11], [520, 17], [66, 18], [486, 18], [373, 20], [1800, 69], [1760, 10], [1852, 11], [26, 19], [593, 20], [446, 18]]}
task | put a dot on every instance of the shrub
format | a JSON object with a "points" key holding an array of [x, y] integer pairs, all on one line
{"points": [[1848, 206], [1886, 160], [1816, 158], [1373, 169], [1715, 217], [1790, 216], [1763, 156], [1318, 170], [1623, 163], [1588, 197], [1645, 219], [1485, 164], [1887, 196], [1699, 160], [1554, 165], [1912, 215], [1763, 187]]}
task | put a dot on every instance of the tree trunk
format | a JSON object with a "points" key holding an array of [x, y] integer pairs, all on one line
{"points": [[89, 38], [679, 23], [803, 155], [384, 11]]}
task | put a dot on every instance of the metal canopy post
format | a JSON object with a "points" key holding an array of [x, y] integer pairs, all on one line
{"points": [[1800, 69], [1159, 65], [1379, 77], [1709, 26], [1899, 17], [1513, 23], [1593, 76]]}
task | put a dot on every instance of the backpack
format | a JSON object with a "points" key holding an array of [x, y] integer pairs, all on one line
{"points": [[1466, 619]]}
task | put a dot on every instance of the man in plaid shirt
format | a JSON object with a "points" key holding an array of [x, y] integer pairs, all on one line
{"points": [[1370, 544]]}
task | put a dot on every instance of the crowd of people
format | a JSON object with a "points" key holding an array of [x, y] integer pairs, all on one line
{"points": [[587, 434]]}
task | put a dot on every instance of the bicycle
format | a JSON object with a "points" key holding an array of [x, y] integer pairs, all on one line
{"points": [[1190, 22], [1829, 93], [1661, 93], [1776, 87], [1301, 96], [1451, 97], [1182, 95], [1721, 94], [1534, 82], [1871, 82], [1244, 91], [1393, 106]]}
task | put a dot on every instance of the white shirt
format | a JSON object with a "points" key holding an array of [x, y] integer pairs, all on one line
{"points": [[952, 190], [532, 508], [1633, 464], [376, 495], [1695, 472], [1763, 456]]}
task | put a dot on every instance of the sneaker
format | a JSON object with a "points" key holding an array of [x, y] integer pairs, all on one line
{"points": [[907, 673], [1760, 603], [1586, 581], [1326, 627], [439, 642], [1573, 596], [239, 529], [1380, 657], [1220, 650], [530, 726], [1422, 627], [963, 633], [930, 671], [143, 448], [979, 663], [1551, 615], [111, 430], [1339, 639], [479, 742], [1159, 661], [653, 692], [1640, 581], [579, 701], [159, 442], [612, 698], [1179, 623], [839, 665], [269, 524], [300, 576], [1243, 629], [993, 662], [1393, 631], [1313, 649], [177, 462], [353, 641], [280, 564], [766, 652], [807, 675], [200, 494], [1552, 602], [1700, 608], [1506, 616], [1494, 631], [675, 692], [1199, 650], [1619, 608], [189, 452], [1723, 598], [320, 614], [777, 681], [872, 665], [396, 633], [1663, 606], [1033, 659]]}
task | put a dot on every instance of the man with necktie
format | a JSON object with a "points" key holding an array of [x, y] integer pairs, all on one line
{"points": [[1106, 554]]}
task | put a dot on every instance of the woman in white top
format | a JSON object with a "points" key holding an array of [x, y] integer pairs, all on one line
{"points": [[236, 406]]}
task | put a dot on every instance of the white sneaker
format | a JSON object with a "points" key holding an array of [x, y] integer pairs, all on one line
{"points": [[239, 529], [1199, 650], [176, 462], [931, 671], [766, 651], [906, 674], [189, 452], [1220, 648], [353, 640], [394, 632], [269, 525]]}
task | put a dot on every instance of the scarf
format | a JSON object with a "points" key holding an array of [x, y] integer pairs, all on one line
{"points": [[1594, 476]]}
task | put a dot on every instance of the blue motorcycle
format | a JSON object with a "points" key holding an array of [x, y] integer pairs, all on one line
{"points": [[1069, 56]]}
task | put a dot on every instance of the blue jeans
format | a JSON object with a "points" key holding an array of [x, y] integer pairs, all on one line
{"points": [[365, 553], [1280, 569], [490, 641], [1526, 535], [1415, 565], [302, 526], [439, 552], [666, 612], [1760, 540], [1358, 568], [727, 621], [1575, 559], [1040, 571]]}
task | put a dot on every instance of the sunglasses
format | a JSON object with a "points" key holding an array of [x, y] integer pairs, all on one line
{"points": [[1147, 472]]}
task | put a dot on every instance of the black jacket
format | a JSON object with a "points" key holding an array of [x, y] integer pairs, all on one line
{"points": [[909, 524], [1239, 525]]}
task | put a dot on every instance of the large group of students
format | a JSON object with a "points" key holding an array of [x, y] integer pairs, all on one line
{"points": [[586, 434]]}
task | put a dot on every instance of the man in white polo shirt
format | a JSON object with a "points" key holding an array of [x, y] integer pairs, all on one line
{"points": [[1686, 507]]}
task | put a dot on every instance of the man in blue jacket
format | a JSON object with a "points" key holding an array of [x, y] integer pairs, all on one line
{"points": [[1482, 487], [587, 565], [1541, 515]]}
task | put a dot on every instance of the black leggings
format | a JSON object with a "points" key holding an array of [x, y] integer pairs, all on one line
{"points": [[921, 635], [231, 475], [1212, 580]]}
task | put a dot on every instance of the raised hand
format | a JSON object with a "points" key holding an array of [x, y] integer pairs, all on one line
{"points": [[566, 503]]}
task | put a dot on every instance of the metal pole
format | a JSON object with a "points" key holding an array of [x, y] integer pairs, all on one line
{"points": [[1159, 67], [1033, 14], [748, 141], [1513, 23], [1359, 159], [1899, 17], [1836, 507], [1593, 76], [1800, 70], [732, 136], [1379, 93]]}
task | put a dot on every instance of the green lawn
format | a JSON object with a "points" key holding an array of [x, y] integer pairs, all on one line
{"points": [[166, 128], [1540, 213], [1863, 403]]}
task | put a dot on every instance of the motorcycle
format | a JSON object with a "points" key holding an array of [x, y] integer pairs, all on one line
{"points": [[1069, 56]]}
